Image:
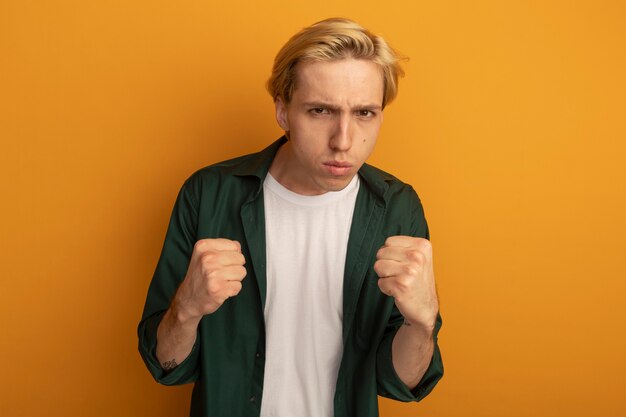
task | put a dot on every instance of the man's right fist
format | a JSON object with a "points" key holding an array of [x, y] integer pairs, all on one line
{"points": [[215, 273]]}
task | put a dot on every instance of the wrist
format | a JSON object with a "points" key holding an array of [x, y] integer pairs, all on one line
{"points": [[425, 331], [182, 316]]}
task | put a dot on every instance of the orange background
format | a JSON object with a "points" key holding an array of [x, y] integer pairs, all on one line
{"points": [[510, 124]]}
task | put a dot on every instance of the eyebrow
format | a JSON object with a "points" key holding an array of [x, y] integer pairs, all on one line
{"points": [[333, 107]]}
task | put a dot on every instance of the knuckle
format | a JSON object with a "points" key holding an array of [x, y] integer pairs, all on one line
{"points": [[208, 257], [403, 283], [409, 269], [213, 275], [425, 244], [205, 270], [237, 288], [200, 245], [229, 244], [213, 288], [416, 255]]}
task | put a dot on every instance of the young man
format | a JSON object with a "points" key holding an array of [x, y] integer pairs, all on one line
{"points": [[299, 281]]}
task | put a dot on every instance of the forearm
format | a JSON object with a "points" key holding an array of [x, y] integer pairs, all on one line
{"points": [[176, 336], [412, 351]]}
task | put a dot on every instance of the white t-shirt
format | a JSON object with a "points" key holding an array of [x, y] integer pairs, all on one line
{"points": [[306, 243]]}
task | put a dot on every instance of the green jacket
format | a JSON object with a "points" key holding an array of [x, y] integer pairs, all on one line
{"points": [[227, 362]]}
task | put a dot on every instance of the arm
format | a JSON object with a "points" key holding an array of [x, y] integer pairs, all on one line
{"points": [[389, 384], [412, 351], [176, 336], [404, 265], [215, 273], [168, 332], [168, 275]]}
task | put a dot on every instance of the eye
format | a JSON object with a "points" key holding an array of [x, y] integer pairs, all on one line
{"points": [[319, 110], [365, 113]]}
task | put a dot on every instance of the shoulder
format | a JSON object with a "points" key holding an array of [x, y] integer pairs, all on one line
{"points": [[404, 213], [221, 174], [225, 168], [253, 166], [388, 186]]}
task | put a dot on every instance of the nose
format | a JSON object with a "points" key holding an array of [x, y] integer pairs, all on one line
{"points": [[341, 139]]}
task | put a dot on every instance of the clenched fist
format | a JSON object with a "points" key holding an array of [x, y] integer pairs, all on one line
{"points": [[215, 273], [405, 269]]}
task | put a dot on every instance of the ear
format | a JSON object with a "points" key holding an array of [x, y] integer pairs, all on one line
{"points": [[281, 114]]}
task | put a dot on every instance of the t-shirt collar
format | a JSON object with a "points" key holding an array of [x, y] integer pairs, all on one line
{"points": [[260, 166]]}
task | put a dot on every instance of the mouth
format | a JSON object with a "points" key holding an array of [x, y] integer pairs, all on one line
{"points": [[338, 168]]}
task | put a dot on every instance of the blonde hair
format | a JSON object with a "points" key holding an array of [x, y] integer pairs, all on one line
{"points": [[330, 40]]}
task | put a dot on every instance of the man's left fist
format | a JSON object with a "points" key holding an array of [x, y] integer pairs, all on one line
{"points": [[405, 268]]}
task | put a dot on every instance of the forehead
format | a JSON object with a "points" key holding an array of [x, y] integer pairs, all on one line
{"points": [[346, 80]]}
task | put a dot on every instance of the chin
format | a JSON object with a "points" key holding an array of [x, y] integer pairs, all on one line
{"points": [[336, 184]]}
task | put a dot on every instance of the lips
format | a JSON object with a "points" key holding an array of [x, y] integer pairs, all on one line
{"points": [[338, 168]]}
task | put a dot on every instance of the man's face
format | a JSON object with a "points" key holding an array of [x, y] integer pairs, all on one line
{"points": [[333, 121]]}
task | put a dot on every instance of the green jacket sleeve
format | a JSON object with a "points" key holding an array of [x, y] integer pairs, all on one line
{"points": [[169, 273], [389, 383]]}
